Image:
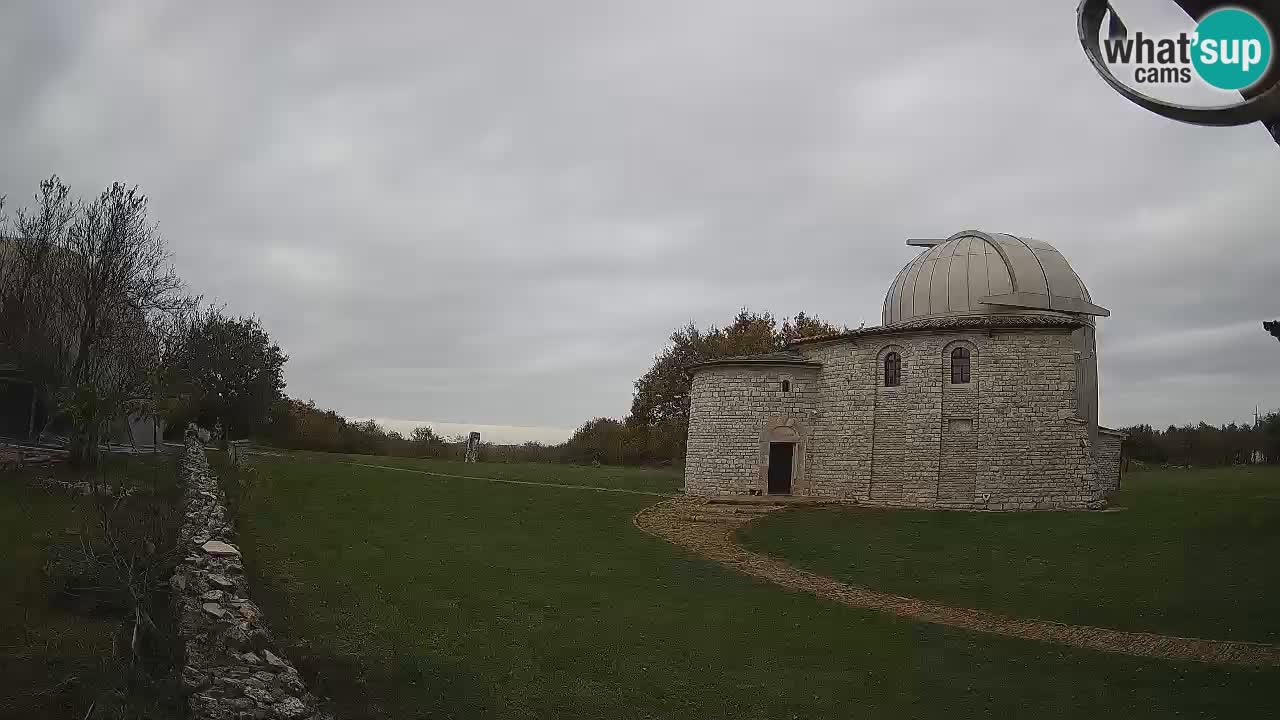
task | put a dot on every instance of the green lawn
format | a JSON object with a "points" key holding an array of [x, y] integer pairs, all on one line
{"points": [[626, 478], [1194, 553], [49, 658], [408, 596], [63, 654]]}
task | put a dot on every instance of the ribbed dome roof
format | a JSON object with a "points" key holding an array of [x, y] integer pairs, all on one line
{"points": [[978, 273]]}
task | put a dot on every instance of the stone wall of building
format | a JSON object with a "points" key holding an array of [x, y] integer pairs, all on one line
{"points": [[1108, 458], [960, 427], [233, 669], [732, 410], [1010, 439]]}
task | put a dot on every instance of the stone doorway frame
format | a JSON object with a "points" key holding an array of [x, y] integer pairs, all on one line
{"points": [[784, 430]]}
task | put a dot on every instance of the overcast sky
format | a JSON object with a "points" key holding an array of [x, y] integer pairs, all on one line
{"points": [[493, 213]]}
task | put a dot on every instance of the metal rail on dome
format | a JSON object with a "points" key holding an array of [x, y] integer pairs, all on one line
{"points": [[925, 242]]}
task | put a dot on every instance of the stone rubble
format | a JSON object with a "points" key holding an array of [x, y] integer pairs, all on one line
{"points": [[82, 488], [233, 668]]}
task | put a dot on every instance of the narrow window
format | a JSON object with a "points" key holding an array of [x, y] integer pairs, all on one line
{"points": [[786, 386], [892, 370], [960, 366]]}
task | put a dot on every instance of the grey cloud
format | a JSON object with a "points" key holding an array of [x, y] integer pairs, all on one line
{"points": [[495, 213]]}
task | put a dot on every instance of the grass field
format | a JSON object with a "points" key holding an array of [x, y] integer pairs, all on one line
{"points": [[63, 655], [606, 476], [406, 595], [50, 659], [1194, 553]]}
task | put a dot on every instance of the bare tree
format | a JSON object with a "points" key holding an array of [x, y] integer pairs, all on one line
{"points": [[32, 327], [88, 301], [118, 280]]}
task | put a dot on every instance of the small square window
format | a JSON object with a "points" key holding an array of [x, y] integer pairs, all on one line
{"points": [[786, 386]]}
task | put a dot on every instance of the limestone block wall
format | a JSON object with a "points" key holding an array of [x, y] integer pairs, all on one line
{"points": [[840, 440], [732, 410], [1005, 440], [960, 426], [1010, 439], [1036, 448], [1108, 458], [232, 669]]}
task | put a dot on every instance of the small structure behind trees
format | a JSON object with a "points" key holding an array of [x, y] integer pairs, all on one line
{"points": [[97, 331], [84, 290], [19, 403]]}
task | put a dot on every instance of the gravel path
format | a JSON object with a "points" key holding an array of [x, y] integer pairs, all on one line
{"points": [[708, 530]]}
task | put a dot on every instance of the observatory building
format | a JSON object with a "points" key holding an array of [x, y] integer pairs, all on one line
{"points": [[978, 391]]}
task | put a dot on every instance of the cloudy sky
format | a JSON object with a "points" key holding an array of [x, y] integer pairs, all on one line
{"points": [[493, 213]]}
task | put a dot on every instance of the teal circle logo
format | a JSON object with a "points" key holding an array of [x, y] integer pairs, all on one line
{"points": [[1232, 49]]}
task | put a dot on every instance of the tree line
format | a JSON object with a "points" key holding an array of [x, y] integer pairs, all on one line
{"points": [[1205, 445], [653, 433], [655, 430], [95, 318]]}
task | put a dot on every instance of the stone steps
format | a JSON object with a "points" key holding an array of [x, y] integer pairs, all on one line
{"points": [[739, 509], [718, 519], [726, 513], [766, 500]]}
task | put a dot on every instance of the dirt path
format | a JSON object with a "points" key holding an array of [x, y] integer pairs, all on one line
{"points": [[708, 530]]}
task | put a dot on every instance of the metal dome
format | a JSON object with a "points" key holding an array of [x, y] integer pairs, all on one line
{"points": [[979, 273]]}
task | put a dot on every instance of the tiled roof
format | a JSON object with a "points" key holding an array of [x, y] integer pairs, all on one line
{"points": [[782, 357], [954, 322]]}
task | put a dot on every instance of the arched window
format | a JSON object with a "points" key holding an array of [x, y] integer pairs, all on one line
{"points": [[892, 370], [960, 366]]}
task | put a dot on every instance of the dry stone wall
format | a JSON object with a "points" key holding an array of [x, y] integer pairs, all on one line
{"points": [[233, 669], [1108, 458], [1010, 439]]}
